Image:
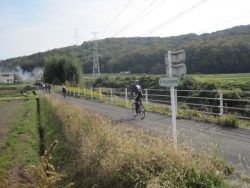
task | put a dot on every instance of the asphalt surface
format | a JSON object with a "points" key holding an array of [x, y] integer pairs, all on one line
{"points": [[233, 144]]}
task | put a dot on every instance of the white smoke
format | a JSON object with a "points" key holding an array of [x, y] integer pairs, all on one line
{"points": [[35, 74], [24, 75]]}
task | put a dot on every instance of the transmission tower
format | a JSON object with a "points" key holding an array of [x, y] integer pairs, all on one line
{"points": [[96, 67]]}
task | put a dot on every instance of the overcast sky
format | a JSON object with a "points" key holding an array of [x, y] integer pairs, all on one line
{"points": [[30, 26]]}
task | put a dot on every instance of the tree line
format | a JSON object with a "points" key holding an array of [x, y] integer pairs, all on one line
{"points": [[226, 51]]}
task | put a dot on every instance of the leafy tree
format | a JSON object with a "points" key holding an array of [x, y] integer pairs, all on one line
{"points": [[59, 69]]}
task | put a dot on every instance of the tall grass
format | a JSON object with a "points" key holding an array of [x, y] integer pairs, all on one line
{"points": [[113, 155]]}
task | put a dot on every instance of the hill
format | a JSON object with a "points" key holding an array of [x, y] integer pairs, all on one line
{"points": [[226, 51]]}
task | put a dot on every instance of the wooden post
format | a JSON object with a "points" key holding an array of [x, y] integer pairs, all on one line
{"points": [[91, 90], [146, 97], [126, 95], [111, 95], [221, 102], [84, 92], [100, 93]]}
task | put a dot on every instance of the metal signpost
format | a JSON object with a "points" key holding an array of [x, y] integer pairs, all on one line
{"points": [[174, 67]]}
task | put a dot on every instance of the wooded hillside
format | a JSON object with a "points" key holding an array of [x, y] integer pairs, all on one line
{"points": [[226, 51]]}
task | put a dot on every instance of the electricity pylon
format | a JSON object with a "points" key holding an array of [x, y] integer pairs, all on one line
{"points": [[96, 66]]}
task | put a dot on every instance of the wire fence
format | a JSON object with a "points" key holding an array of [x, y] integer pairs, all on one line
{"points": [[213, 102]]}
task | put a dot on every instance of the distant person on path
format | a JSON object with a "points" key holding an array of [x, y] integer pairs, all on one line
{"points": [[136, 88], [49, 87], [64, 91]]}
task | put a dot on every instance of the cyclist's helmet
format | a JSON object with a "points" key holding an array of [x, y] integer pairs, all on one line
{"points": [[136, 82]]}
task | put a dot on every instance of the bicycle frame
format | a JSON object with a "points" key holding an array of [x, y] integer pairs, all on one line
{"points": [[141, 110]]}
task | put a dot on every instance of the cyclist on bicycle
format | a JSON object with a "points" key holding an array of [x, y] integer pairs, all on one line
{"points": [[136, 88], [64, 91]]}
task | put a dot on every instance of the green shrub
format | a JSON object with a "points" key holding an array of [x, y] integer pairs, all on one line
{"points": [[228, 120], [189, 114]]}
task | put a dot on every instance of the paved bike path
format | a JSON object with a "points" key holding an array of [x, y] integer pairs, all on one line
{"points": [[231, 144]]}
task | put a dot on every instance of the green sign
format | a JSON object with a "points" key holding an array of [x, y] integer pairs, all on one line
{"points": [[168, 82]]}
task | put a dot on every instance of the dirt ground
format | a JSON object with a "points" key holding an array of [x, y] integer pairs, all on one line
{"points": [[8, 110]]}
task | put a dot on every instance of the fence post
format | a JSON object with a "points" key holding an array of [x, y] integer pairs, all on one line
{"points": [[100, 92], [126, 95], [91, 93], [221, 102], [111, 95], [84, 92], [146, 98]]}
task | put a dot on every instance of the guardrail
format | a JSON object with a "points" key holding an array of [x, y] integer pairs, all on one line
{"points": [[213, 102]]}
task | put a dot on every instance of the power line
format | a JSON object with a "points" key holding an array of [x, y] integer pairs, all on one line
{"points": [[222, 23], [146, 10], [117, 16], [149, 11], [176, 17], [139, 17]]}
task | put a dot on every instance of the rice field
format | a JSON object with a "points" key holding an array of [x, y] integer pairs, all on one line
{"points": [[242, 77]]}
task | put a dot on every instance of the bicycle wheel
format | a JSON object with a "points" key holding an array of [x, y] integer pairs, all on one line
{"points": [[133, 108], [64, 94], [141, 111]]}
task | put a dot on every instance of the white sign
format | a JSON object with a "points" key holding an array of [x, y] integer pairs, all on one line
{"points": [[176, 57], [168, 82], [177, 70], [177, 61]]}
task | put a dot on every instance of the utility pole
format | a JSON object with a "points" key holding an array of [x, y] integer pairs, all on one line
{"points": [[173, 107], [96, 66], [175, 66]]}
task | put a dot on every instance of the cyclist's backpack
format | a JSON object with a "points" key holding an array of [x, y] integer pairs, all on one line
{"points": [[138, 89]]}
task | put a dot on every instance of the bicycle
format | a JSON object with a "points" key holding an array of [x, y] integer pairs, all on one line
{"points": [[64, 93], [141, 110]]}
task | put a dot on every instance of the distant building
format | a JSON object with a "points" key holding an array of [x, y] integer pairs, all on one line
{"points": [[7, 78], [125, 72]]}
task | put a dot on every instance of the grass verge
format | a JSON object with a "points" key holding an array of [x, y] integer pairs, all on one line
{"points": [[21, 147], [97, 153], [64, 154]]}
